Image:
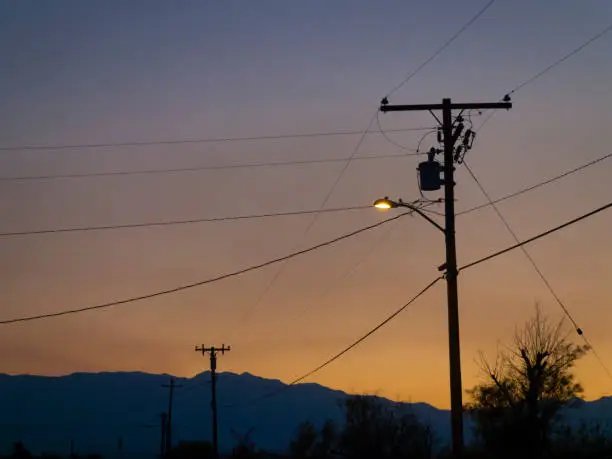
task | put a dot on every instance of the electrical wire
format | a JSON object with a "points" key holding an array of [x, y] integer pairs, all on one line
{"points": [[537, 269], [384, 133], [431, 284], [192, 386], [520, 86], [312, 222], [347, 273], [262, 137], [247, 313], [442, 48], [535, 238], [492, 203], [537, 185], [340, 175], [516, 239], [550, 67], [354, 266], [348, 348], [179, 222], [146, 143], [375, 117], [206, 281], [301, 212], [347, 163], [200, 168], [558, 62]]}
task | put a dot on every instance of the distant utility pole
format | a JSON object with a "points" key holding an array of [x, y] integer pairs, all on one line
{"points": [[171, 387], [162, 445], [429, 173], [212, 351]]}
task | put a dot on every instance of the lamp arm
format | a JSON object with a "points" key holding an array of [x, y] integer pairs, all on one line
{"points": [[422, 214]]}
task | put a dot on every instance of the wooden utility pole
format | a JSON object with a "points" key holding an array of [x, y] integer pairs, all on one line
{"points": [[162, 445], [450, 157], [171, 387], [212, 351]]}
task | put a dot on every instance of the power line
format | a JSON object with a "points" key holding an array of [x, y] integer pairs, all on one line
{"points": [[347, 163], [503, 198], [520, 244], [431, 284], [282, 267], [523, 249], [413, 151], [145, 143], [597, 356], [562, 59], [203, 282], [368, 334], [292, 213], [550, 67], [348, 348], [548, 285], [537, 185], [200, 168], [354, 266], [442, 48], [193, 386], [535, 238], [521, 85], [358, 145], [178, 222]]}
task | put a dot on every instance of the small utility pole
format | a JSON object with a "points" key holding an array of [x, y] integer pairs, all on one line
{"points": [[162, 445], [430, 180], [212, 351], [171, 387]]}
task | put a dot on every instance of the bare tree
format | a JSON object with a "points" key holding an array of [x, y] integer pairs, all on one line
{"points": [[302, 445], [517, 406], [375, 429]]}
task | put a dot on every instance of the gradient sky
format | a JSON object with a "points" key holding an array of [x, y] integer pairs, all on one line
{"points": [[112, 71]]}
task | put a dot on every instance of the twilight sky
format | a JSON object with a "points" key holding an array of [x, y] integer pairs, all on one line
{"points": [[110, 71]]}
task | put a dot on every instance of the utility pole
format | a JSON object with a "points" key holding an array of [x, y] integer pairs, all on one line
{"points": [[171, 387], [162, 445], [430, 180], [212, 351]]}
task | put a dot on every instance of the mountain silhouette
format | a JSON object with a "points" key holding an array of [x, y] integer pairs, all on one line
{"points": [[98, 412]]}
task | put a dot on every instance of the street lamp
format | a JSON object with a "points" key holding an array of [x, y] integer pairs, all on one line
{"points": [[386, 204], [450, 268]]}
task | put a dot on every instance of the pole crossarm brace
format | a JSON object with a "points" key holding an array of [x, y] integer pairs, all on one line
{"points": [[460, 106]]}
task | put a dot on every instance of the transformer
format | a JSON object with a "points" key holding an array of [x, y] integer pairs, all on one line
{"points": [[429, 175]]}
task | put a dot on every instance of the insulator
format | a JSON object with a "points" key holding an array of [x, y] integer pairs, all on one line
{"points": [[457, 132], [466, 137], [458, 152]]}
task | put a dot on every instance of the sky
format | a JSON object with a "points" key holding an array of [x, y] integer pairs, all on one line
{"points": [[104, 72]]}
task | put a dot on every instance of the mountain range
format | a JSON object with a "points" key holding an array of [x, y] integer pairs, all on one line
{"points": [[118, 414]]}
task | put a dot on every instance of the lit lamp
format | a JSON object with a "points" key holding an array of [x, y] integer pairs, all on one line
{"points": [[384, 203]]}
